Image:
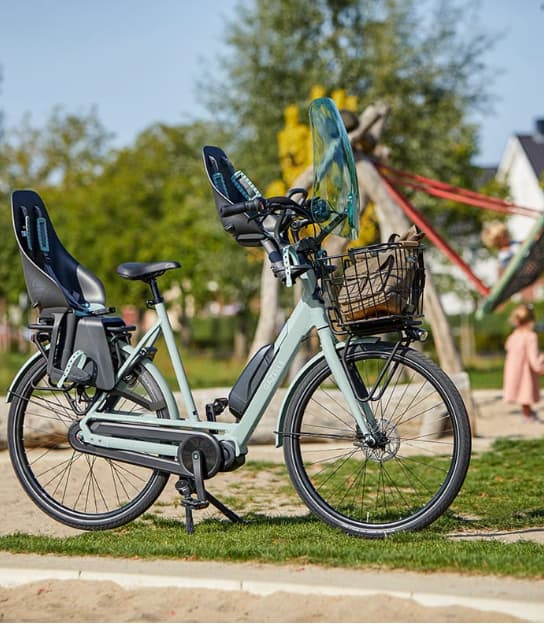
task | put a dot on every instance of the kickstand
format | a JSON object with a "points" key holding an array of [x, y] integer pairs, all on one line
{"points": [[187, 487], [189, 522], [226, 511]]}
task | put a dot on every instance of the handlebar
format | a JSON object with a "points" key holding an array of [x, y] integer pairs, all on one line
{"points": [[230, 210]]}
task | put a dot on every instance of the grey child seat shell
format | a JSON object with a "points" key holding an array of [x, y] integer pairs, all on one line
{"points": [[54, 278]]}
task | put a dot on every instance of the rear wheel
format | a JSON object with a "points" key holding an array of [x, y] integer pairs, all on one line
{"points": [[406, 480], [77, 489]]}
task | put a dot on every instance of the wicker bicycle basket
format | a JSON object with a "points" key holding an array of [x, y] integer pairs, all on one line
{"points": [[374, 288]]}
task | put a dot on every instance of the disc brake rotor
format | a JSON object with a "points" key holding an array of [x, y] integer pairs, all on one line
{"points": [[389, 449]]}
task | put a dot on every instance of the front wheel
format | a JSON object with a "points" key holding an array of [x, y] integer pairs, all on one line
{"points": [[83, 491], [411, 476]]}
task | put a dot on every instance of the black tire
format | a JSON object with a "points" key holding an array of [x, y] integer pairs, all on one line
{"points": [[80, 490], [407, 482]]}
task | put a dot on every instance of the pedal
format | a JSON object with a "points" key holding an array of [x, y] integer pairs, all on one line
{"points": [[214, 409]]}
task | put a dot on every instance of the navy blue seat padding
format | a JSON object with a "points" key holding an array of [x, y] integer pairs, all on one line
{"points": [[54, 278]]}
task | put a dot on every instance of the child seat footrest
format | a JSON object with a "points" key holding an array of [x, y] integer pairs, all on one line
{"points": [[74, 369]]}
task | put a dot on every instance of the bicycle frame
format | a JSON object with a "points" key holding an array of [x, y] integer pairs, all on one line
{"points": [[308, 314], [367, 475]]}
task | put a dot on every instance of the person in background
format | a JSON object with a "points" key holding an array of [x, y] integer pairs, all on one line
{"points": [[495, 235], [523, 363]]}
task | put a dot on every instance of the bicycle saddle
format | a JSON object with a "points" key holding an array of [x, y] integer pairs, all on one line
{"points": [[145, 271]]}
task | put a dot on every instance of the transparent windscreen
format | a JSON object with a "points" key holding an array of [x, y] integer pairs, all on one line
{"points": [[335, 194]]}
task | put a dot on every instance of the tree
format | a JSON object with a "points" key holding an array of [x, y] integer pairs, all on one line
{"points": [[1, 115], [153, 201], [427, 69], [148, 201]]}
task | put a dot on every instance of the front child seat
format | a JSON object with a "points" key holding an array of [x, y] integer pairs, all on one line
{"points": [[230, 186], [53, 277]]}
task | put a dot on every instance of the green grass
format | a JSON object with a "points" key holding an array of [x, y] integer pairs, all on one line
{"points": [[203, 369], [486, 373], [298, 541], [503, 491]]}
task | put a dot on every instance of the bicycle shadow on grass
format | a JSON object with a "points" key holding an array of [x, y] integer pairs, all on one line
{"points": [[307, 526], [247, 520], [453, 524]]}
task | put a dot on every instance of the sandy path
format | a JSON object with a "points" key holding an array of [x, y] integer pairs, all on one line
{"points": [[93, 601]]}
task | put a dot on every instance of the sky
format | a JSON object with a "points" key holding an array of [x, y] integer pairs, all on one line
{"points": [[138, 62]]}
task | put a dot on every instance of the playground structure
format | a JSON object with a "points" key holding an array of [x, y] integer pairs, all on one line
{"points": [[379, 188], [526, 264]]}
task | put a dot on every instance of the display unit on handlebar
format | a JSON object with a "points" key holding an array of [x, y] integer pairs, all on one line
{"points": [[376, 438]]}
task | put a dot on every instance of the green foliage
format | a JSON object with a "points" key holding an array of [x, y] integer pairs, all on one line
{"points": [[502, 492], [60, 160], [10, 363], [150, 200], [426, 60]]}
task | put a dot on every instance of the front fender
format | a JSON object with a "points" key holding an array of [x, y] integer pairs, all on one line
{"points": [[21, 372], [290, 391], [300, 375]]}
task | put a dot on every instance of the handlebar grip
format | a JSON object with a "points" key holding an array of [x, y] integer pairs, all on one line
{"points": [[229, 210]]}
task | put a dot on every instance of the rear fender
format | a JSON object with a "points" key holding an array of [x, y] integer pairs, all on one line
{"points": [[21, 373], [171, 404], [170, 401]]}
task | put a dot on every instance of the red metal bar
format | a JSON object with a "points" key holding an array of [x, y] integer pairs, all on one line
{"points": [[478, 202], [416, 217], [448, 191]]}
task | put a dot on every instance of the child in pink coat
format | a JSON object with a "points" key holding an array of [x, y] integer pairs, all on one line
{"points": [[523, 363]]}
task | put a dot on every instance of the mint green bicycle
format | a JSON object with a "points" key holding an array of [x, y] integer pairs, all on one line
{"points": [[376, 437]]}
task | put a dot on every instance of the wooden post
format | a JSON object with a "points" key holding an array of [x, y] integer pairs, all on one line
{"points": [[266, 327]]}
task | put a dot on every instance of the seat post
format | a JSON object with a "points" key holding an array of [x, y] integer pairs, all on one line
{"points": [[157, 298]]}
